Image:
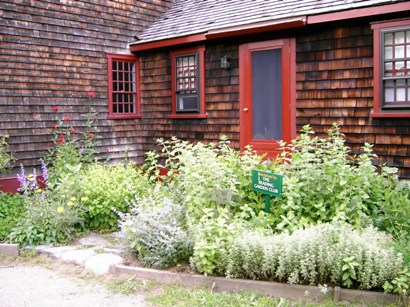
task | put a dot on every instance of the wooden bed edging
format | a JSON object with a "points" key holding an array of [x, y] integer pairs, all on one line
{"points": [[274, 289]]}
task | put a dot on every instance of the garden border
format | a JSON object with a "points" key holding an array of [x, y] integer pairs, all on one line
{"points": [[267, 288]]}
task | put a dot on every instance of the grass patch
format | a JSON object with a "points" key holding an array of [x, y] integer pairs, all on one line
{"points": [[173, 295], [177, 296]]}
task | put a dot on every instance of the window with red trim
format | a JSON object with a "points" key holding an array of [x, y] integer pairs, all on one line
{"points": [[123, 89], [392, 69], [188, 83]]}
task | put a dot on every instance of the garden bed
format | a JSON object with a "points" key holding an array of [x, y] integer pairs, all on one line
{"points": [[274, 289]]}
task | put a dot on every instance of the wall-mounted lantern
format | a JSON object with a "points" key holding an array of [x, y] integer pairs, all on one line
{"points": [[225, 62]]}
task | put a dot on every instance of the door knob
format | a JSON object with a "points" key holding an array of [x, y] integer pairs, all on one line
{"points": [[245, 109]]}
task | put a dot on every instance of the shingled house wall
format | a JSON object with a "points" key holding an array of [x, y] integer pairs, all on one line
{"points": [[335, 84], [53, 54], [222, 99]]}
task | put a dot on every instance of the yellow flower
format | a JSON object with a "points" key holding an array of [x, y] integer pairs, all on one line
{"points": [[87, 192], [70, 203], [85, 198], [60, 209], [30, 177], [63, 196], [73, 198], [39, 190]]}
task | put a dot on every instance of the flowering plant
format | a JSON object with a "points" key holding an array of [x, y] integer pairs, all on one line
{"points": [[70, 145]]}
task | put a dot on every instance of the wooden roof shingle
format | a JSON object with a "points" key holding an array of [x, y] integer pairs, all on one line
{"points": [[189, 17]]}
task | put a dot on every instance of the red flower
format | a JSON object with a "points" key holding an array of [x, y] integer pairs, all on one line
{"points": [[66, 119], [49, 144], [107, 150], [91, 94], [90, 135], [59, 142], [55, 108], [54, 126], [94, 117], [73, 131]]}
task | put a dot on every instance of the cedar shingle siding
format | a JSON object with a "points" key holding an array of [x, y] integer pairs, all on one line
{"points": [[222, 99], [335, 84], [53, 54]]}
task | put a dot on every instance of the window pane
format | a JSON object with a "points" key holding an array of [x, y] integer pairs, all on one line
{"points": [[388, 53], [401, 94], [389, 95], [399, 37], [399, 67], [399, 51], [388, 38], [388, 69]]}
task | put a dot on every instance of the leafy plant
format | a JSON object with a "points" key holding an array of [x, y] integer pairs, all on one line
{"points": [[324, 183], [350, 265], [211, 235], [109, 187], [6, 158], [11, 208], [157, 236], [206, 175]]}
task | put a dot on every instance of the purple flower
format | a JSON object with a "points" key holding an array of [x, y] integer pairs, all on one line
{"points": [[23, 180], [44, 172]]}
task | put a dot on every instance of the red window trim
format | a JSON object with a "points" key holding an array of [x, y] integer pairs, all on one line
{"points": [[129, 58], [201, 54], [377, 109]]}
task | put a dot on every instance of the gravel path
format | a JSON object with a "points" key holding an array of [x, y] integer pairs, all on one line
{"points": [[22, 286]]}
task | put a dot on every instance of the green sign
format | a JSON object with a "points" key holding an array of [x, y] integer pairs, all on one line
{"points": [[267, 183]]}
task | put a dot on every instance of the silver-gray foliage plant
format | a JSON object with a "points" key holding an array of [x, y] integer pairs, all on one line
{"points": [[154, 232], [320, 254]]}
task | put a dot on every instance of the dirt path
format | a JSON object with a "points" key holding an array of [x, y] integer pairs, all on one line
{"points": [[26, 285]]}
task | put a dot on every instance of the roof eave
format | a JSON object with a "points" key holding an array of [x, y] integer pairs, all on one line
{"points": [[272, 25]]}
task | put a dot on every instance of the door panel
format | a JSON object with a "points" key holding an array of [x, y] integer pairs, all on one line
{"points": [[267, 94]]}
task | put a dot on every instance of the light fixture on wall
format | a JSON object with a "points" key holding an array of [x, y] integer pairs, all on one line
{"points": [[225, 62]]}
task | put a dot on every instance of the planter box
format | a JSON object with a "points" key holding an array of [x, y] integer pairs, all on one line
{"points": [[274, 289], [11, 184], [9, 249]]}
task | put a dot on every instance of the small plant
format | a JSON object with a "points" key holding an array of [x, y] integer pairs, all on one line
{"points": [[122, 285], [211, 235], [11, 209], [6, 158], [349, 267], [157, 236]]}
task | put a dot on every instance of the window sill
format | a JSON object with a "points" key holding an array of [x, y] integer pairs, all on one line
{"points": [[188, 116], [390, 114], [128, 116]]}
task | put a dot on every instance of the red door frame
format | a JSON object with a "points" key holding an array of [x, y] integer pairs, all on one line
{"points": [[288, 93]]}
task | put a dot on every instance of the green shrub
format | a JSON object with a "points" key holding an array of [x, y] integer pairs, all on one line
{"points": [[324, 183], [207, 176], [11, 208], [154, 233], [333, 254], [108, 187]]}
